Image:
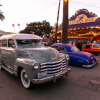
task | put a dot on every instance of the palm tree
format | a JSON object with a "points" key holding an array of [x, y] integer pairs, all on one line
{"points": [[19, 26], [13, 27], [65, 22], [2, 17]]}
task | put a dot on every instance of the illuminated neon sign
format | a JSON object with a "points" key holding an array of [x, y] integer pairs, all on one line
{"points": [[82, 19]]}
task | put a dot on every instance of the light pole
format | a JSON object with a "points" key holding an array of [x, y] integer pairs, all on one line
{"points": [[13, 27], [65, 22], [57, 22]]}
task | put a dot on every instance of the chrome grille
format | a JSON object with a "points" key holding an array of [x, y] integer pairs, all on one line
{"points": [[53, 67]]}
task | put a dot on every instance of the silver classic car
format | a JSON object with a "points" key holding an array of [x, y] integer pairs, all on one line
{"points": [[25, 55]]}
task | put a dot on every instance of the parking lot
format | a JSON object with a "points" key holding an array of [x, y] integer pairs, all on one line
{"points": [[81, 84]]}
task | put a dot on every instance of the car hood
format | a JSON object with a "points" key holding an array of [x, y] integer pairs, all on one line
{"points": [[40, 54]]}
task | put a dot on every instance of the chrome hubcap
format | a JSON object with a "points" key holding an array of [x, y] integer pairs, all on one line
{"points": [[26, 81]]}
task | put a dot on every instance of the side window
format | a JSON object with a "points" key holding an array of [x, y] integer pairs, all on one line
{"points": [[10, 42], [96, 46], [4, 43], [62, 49], [87, 46], [56, 47]]}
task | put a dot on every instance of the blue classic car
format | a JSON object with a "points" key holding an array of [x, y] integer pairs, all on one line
{"points": [[77, 58]]}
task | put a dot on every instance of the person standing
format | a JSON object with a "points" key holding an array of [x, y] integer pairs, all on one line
{"points": [[73, 43], [79, 45]]}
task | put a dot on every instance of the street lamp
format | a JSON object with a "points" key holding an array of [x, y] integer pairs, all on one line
{"points": [[65, 22], [57, 22]]}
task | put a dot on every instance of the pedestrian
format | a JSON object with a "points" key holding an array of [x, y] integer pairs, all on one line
{"points": [[94, 42], [73, 43], [79, 45]]}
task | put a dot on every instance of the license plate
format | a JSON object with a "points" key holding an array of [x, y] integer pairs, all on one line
{"points": [[42, 74]]}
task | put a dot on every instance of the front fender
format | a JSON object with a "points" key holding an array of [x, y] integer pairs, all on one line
{"points": [[77, 61], [27, 65]]}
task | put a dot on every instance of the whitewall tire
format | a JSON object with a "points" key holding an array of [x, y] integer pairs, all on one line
{"points": [[24, 79]]}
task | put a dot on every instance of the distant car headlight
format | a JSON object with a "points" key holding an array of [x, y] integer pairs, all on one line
{"points": [[67, 57], [35, 65]]}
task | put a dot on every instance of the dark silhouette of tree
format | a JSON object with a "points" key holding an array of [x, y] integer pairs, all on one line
{"points": [[38, 28], [2, 17]]}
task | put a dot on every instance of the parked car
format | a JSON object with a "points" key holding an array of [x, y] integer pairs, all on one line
{"points": [[92, 48], [25, 55], [76, 57]]}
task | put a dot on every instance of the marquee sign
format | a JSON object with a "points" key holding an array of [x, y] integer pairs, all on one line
{"points": [[82, 18]]}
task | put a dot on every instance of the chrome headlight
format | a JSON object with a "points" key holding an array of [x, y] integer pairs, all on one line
{"points": [[35, 65], [67, 57]]}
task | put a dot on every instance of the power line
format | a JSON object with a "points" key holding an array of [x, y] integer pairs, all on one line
{"points": [[85, 4], [47, 8], [33, 14]]}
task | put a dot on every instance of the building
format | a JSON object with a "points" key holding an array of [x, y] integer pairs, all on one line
{"points": [[82, 24], [5, 33]]}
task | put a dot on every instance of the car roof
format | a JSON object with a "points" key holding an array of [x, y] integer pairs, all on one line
{"points": [[66, 46], [21, 36], [62, 44]]}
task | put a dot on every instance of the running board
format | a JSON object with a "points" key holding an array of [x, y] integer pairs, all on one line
{"points": [[7, 69]]}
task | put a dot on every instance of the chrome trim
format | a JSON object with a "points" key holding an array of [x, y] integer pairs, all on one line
{"points": [[92, 57], [50, 68], [54, 71], [80, 61], [52, 62], [92, 65], [45, 66], [52, 77], [54, 67]]}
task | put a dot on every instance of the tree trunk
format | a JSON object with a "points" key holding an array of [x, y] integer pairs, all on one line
{"points": [[65, 22]]}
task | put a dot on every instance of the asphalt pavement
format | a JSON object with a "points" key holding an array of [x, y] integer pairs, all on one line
{"points": [[81, 84]]}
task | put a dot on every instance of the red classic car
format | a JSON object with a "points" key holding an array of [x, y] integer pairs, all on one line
{"points": [[92, 48]]}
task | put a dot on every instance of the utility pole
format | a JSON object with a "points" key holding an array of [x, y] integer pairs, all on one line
{"points": [[57, 22], [65, 22]]}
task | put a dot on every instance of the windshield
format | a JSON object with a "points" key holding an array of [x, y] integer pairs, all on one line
{"points": [[74, 49], [30, 42]]}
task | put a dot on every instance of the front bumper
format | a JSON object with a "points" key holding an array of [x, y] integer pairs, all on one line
{"points": [[92, 65], [52, 78]]}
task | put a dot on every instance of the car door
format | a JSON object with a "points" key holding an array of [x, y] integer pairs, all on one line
{"points": [[9, 55]]}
